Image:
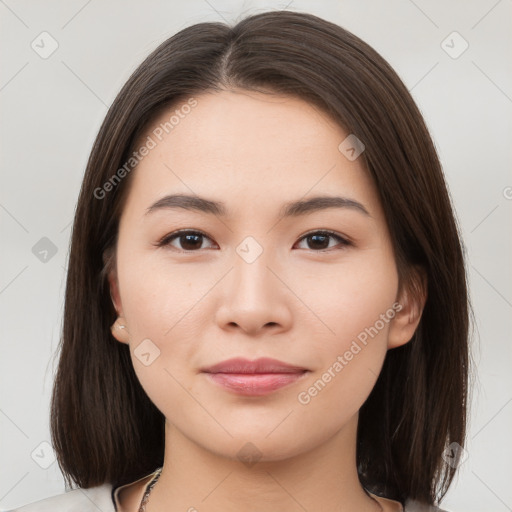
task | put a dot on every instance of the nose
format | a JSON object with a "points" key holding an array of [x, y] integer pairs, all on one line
{"points": [[253, 298]]}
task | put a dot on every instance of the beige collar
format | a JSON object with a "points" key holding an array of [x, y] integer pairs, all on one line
{"points": [[387, 504]]}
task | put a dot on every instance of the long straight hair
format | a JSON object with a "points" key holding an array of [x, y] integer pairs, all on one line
{"points": [[104, 427]]}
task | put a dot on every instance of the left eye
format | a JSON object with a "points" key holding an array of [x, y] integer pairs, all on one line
{"points": [[318, 240], [191, 241]]}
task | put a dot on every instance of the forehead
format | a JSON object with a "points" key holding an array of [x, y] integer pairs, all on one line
{"points": [[262, 147], [238, 124]]}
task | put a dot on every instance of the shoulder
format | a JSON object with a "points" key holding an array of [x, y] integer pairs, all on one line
{"points": [[85, 500], [416, 506]]}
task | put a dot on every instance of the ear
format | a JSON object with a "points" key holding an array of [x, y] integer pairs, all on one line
{"points": [[409, 308], [119, 328], [113, 284]]}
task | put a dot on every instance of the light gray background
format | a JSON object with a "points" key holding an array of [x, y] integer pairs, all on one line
{"points": [[53, 107]]}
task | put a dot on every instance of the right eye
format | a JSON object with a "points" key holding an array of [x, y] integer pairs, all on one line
{"points": [[189, 240]]}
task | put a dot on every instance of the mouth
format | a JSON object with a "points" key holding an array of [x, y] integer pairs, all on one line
{"points": [[254, 378]]}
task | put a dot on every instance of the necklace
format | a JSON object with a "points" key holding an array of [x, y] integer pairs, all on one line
{"points": [[145, 498]]}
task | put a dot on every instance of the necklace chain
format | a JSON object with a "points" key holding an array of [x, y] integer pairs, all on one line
{"points": [[145, 498]]}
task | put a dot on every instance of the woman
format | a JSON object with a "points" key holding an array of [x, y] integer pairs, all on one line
{"points": [[266, 304]]}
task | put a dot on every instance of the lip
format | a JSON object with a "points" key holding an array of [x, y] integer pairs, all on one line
{"points": [[261, 365], [254, 378]]}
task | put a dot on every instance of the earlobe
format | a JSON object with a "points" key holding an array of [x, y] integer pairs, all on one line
{"points": [[408, 315], [119, 330]]}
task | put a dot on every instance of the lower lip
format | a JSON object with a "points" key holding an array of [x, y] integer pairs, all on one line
{"points": [[255, 384]]}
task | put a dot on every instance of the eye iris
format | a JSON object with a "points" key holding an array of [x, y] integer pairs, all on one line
{"points": [[323, 239], [191, 241]]}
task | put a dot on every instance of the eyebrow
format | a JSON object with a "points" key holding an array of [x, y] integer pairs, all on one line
{"points": [[289, 209]]}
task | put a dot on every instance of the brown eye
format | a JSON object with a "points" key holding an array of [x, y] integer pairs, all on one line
{"points": [[321, 240], [188, 241]]}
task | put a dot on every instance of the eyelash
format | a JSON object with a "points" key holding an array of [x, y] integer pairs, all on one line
{"points": [[167, 239]]}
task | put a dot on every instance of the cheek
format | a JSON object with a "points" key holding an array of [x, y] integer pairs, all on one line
{"points": [[350, 360], [349, 297], [158, 304], [355, 310], [159, 297]]}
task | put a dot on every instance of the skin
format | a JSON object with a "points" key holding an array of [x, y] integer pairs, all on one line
{"points": [[294, 303]]}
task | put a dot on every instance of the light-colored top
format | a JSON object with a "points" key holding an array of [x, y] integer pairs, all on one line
{"points": [[106, 498]]}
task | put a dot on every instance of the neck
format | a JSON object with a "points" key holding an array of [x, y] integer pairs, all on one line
{"points": [[318, 480]]}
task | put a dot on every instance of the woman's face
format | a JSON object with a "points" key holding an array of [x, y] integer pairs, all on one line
{"points": [[250, 282]]}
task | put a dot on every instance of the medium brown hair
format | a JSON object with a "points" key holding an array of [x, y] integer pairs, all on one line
{"points": [[104, 427]]}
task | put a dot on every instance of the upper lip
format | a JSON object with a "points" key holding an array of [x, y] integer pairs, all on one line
{"points": [[261, 365]]}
